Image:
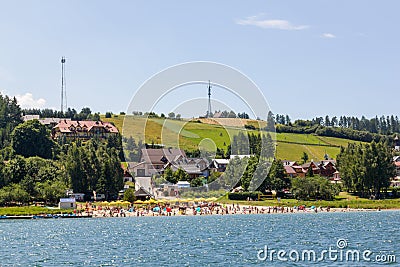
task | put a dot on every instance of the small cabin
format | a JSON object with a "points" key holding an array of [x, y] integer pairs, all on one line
{"points": [[67, 203], [183, 184], [77, 196]]}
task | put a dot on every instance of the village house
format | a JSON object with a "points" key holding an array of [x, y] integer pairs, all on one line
{"points": [[127, 176], [326, 168], [219, 165], [83, 130], [397, 143], [152, 161], [395, 182], [193, 167], [396, 161], [293, 169], [143, 194], [311, 165], [49, 122], [67, 203]]}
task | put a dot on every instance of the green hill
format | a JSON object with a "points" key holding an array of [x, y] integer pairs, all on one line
{"points": [[188, 134]]}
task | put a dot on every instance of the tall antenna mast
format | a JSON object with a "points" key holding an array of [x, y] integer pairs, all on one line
{"points": [[63, 86], [209, 112]]}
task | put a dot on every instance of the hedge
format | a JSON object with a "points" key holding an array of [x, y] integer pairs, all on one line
{"points": [[244, 195]]}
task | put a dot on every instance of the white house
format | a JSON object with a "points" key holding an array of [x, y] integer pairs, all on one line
{"points": [[67, 203], [219, 164], [153, 160], [183, 184]]}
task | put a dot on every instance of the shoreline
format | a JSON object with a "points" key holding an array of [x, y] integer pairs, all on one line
{"points": [[210, 209], [230, 209]]}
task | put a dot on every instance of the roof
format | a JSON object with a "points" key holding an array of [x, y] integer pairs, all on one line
{"points": [[142, 192], [48, 121], [132, 165], [183, 183], [289, 163], [308, 164], [143, 182], [66, 126], [198, 160], [188, 168], [217, 115], [67, 200], [30, 117], [329, 161], [162, 156], [289, 170], [240, 156], [221, 161]]}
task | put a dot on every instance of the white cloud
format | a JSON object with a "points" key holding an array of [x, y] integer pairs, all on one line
{"points": [[27, 101], [271, 24], [328, 35]]}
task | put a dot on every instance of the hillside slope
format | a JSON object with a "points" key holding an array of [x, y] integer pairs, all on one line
{"points": [[188, 135]]}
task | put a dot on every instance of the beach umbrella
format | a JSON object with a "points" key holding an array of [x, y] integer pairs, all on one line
{"points": [[105, 203], [138, 202], [202, 199], [113, 203], [146, 202], [156, 209], [152, 201]]}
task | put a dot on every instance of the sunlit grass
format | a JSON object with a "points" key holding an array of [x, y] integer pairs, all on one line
{"points": [[188, 135]]}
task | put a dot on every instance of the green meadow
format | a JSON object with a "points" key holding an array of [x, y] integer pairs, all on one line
{"points": [[344, 200], [190, 134]]}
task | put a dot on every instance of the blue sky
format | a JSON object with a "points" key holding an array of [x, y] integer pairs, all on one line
{"points": [[309, 58]]}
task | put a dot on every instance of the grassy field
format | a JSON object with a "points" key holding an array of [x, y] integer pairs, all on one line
{"points": [[344, 200], [190, 135], [30, 210]]}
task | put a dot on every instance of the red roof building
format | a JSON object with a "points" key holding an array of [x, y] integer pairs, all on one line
{"points": [[83, 130]]}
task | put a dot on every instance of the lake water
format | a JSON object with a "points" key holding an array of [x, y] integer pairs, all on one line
{"points": [[234, 240]]}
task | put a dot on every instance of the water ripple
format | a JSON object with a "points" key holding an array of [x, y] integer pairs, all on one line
{"points": [[189, 241]]}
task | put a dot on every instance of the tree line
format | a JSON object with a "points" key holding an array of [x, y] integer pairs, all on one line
{"points": [[252, 173], [84, 114], [385, 125], [249, 143], [366, 169], [33, 167]]}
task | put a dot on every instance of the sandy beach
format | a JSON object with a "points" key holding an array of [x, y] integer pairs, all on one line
{"points": [[207, 209]]}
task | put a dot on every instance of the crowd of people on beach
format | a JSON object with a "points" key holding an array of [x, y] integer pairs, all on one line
{"points": [[195, 209]]}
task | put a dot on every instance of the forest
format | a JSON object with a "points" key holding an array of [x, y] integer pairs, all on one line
{"points": [[33, 167]]}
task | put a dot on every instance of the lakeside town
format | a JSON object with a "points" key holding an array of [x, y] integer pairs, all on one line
{"points": [[169, 175], [212, 133]]}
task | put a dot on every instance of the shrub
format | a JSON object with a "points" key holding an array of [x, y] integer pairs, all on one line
{"points": [[244, 195], [250, 127]]}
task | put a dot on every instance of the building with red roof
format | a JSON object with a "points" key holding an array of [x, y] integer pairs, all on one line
{"points": [[83, 130]]}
